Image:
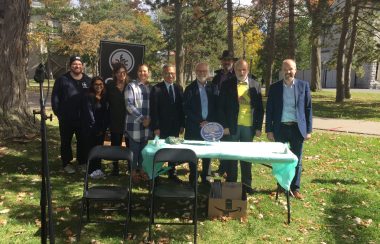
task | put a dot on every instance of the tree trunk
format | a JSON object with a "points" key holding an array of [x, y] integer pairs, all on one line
{"points": [[340, 58], [179, 52], [316, 63], [230, 30], [347, 70], [292, 35], [270, 48], [15, 117]]}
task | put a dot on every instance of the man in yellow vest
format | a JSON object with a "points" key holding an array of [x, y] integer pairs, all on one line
{"points": [[240, 112]]}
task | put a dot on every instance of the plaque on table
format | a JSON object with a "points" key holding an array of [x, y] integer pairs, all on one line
{"points": [[212, 131]]}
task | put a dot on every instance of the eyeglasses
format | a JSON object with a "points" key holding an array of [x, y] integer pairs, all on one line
{"points": [[98, 84]]}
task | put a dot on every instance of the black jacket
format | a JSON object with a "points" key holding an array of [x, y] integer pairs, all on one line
{"points": [[228, 106], [167, 117], [67, 96], [193, 109]]}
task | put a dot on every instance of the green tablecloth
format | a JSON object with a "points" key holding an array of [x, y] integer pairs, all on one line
{"points": [[276, 154]]}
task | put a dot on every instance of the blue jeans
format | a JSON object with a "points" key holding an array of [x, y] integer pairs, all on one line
{"points": [[136, 147], [291, 134], [243, 134]]}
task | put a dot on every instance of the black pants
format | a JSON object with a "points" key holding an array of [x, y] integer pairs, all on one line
{"points": [[117, 140], [292, 135], [67, 131], [90, 140]]}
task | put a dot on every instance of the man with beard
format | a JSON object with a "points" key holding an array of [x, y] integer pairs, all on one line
{"points": [[221, 75], [199, 101], [289, 116], [66, 100], [240, 111]]}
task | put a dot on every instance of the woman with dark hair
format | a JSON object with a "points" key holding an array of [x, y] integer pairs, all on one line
{"points": [[115, 97], [94, 121], [137, 121]]}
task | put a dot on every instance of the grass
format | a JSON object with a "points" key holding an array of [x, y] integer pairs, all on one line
{"points": [[341, 179], [362, 106]]}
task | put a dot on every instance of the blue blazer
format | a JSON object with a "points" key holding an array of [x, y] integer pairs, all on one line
{"points": [[303, 107], [193, 109]]}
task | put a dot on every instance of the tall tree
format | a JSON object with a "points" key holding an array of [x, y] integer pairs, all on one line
{"points": [[318, 11], [341, 55], [15, 119], [350, 53], [292, 35], [230, 29], [179, 51], [270, 48]]}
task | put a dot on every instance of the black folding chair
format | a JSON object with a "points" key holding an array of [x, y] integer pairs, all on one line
{"points": [[174, 191], [107, 193]]}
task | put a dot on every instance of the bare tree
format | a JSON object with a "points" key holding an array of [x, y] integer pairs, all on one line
{"points": [[292, 35], [341, 56], [179, 54], [230, 30], [15, 117], [270, 48], [350, 54]]}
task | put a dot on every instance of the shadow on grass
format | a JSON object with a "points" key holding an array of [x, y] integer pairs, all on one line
{"points": [[344, 208], [335, 181]]}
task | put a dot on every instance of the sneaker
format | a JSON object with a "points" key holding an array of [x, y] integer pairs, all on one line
{"points": [[97, 174], [69, 169]]}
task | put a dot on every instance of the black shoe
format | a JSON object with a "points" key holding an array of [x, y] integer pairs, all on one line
{"points": [[175, 179], [248, 190]]}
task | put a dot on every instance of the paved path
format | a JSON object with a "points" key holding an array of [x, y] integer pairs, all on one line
{"points": [[347, 125], [335, 125]]}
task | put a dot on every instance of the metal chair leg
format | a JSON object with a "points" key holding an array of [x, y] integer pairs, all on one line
{"points": [[288, 204], [88, 210], [277, 191], [81, 220], [151, 216], [195, 220]]}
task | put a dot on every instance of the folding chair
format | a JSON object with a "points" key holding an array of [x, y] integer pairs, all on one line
{"points": [[174, 191], [106, 193]]}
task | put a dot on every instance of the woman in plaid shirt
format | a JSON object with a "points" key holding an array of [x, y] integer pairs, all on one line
{"points": [[137, 119]]}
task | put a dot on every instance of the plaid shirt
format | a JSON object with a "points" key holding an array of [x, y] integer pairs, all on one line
{"points": [[137, 104]]}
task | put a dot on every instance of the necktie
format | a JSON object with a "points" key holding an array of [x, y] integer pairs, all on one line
{"points": [[204, 102], [171, 93]]}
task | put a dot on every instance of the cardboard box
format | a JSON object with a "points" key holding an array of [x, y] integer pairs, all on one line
{"points": [[227, 199]]}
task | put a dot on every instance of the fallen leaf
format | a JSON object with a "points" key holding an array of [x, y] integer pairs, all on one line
{"points": [[4, 211]]}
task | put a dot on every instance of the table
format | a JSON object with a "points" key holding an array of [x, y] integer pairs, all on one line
{"points": [[276, 154]]}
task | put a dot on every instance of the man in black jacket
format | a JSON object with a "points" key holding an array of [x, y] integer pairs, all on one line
{"points": [[166, 109], [199, 102], [66, 100], [240, 111]]}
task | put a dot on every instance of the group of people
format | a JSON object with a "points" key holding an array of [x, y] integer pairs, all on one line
{"points": [[139, 111]]}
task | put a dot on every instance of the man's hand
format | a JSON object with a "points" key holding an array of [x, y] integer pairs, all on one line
{"points": [[157, 132], [308, 136], [146, 122], [258, 133], [181, 130], [226, 132], [203, 123], [270, 136]]}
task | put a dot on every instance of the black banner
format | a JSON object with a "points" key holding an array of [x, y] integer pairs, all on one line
{"points": [[132, 55]]}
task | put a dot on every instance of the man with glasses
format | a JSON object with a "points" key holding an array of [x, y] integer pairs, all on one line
{"points": [[166, 110]]}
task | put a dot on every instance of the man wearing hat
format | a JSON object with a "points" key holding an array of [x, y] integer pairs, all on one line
{"points": [[66, 99], [227, 72]]}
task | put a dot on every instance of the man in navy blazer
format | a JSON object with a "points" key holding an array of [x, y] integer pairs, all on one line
{"points": [[199, 103], [240, 111], [289, 116]]}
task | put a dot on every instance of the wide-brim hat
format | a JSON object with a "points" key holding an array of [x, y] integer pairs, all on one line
{"points": [[227, 55]]}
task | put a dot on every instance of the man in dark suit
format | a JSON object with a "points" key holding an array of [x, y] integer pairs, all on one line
{"points": [[200, 108], [289, 116], [166, 109], [240, 111], [227, 72]]}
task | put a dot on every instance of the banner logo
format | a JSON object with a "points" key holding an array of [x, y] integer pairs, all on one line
{"points": [[122, 56]]}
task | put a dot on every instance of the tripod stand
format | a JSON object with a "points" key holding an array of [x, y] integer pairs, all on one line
{"points": [[45, 183]]}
